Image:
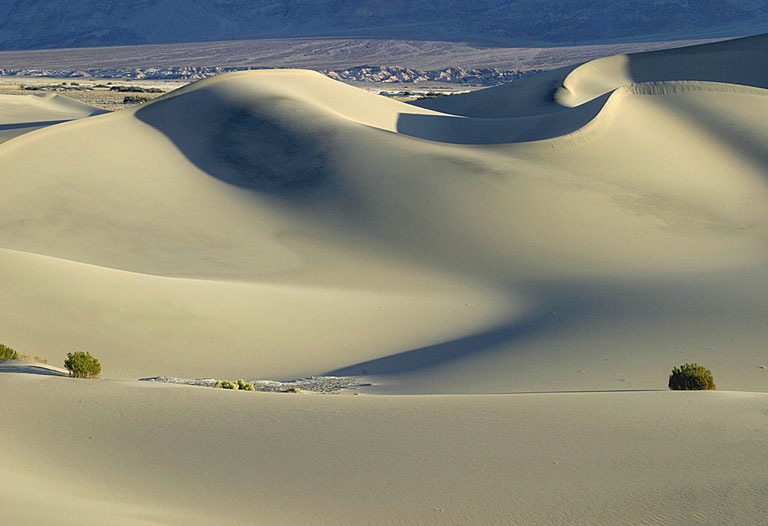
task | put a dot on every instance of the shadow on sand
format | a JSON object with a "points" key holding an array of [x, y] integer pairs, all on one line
{"points": [[255, 145], [432, 355], [463, 130], [22, 125], [17, 366]]}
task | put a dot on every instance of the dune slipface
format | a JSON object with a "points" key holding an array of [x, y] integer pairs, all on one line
{"points": [[584, 230]]}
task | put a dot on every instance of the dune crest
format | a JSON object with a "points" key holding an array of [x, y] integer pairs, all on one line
{"points": [[733, 61], [288, 178], [730, 62]]}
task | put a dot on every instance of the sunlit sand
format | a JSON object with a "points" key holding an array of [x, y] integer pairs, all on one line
{"points": [[531, 259]]}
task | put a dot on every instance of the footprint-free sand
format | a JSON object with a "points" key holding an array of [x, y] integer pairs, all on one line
{"points": [[515, 270]]}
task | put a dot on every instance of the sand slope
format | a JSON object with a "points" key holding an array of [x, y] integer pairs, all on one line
{"points": [[132, 454], [601, 227], [19, 115]]}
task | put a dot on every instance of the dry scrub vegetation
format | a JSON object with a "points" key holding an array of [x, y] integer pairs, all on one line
{"points": [[691, 377], [8, 353], [109, 95]]}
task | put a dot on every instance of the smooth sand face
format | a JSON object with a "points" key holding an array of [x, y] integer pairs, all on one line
{"points": [[130, 454], [584, 231], [20, 115]]}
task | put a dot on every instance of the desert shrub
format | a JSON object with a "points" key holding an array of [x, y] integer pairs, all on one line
{"points": [[240, 385], [6, 353], [134, 89], [82, 365], [245, 386], [134, 99], [433, 95], [129, 89], [691, 377]]}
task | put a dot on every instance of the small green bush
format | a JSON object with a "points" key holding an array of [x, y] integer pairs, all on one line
{"points": [[691, 377], [82, 365], [240, 385], [245, 386], [6, 353]]}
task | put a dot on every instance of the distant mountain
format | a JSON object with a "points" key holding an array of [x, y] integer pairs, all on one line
{"points": [[37, 24]]}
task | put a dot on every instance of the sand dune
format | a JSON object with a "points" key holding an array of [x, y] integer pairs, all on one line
{"points": [[19, 115], [585, 230], [733, 61]]}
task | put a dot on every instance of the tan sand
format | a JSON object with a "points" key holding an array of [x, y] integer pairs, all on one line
{"points": [[586, 230], [19, 115], [95, 452]]}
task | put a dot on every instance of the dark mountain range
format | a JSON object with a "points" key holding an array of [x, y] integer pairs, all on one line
{"points": [[39, 24]]}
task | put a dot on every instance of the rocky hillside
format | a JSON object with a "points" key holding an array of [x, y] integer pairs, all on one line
{"points": [[36, 24], [384, 74], [395, 74]]}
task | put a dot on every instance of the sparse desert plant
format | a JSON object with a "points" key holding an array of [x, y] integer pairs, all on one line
{"points": [[245, 386], [82, 365], [691, 377], [433, 95], [6, 353], [134, 89], [135, 99], [240, 385]]}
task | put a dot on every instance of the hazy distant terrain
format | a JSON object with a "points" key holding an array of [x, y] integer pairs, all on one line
{"points": [[34, 24], [343, 57]]}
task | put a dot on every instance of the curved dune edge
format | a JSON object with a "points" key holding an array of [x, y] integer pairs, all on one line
{"points": [[734, 58], [735, 61], [46, 103], [601, 123], [568, 127], [564, 127], [23, 114]]}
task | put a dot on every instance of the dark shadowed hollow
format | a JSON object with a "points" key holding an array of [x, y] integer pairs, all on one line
{"points": [[243, 145]]}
